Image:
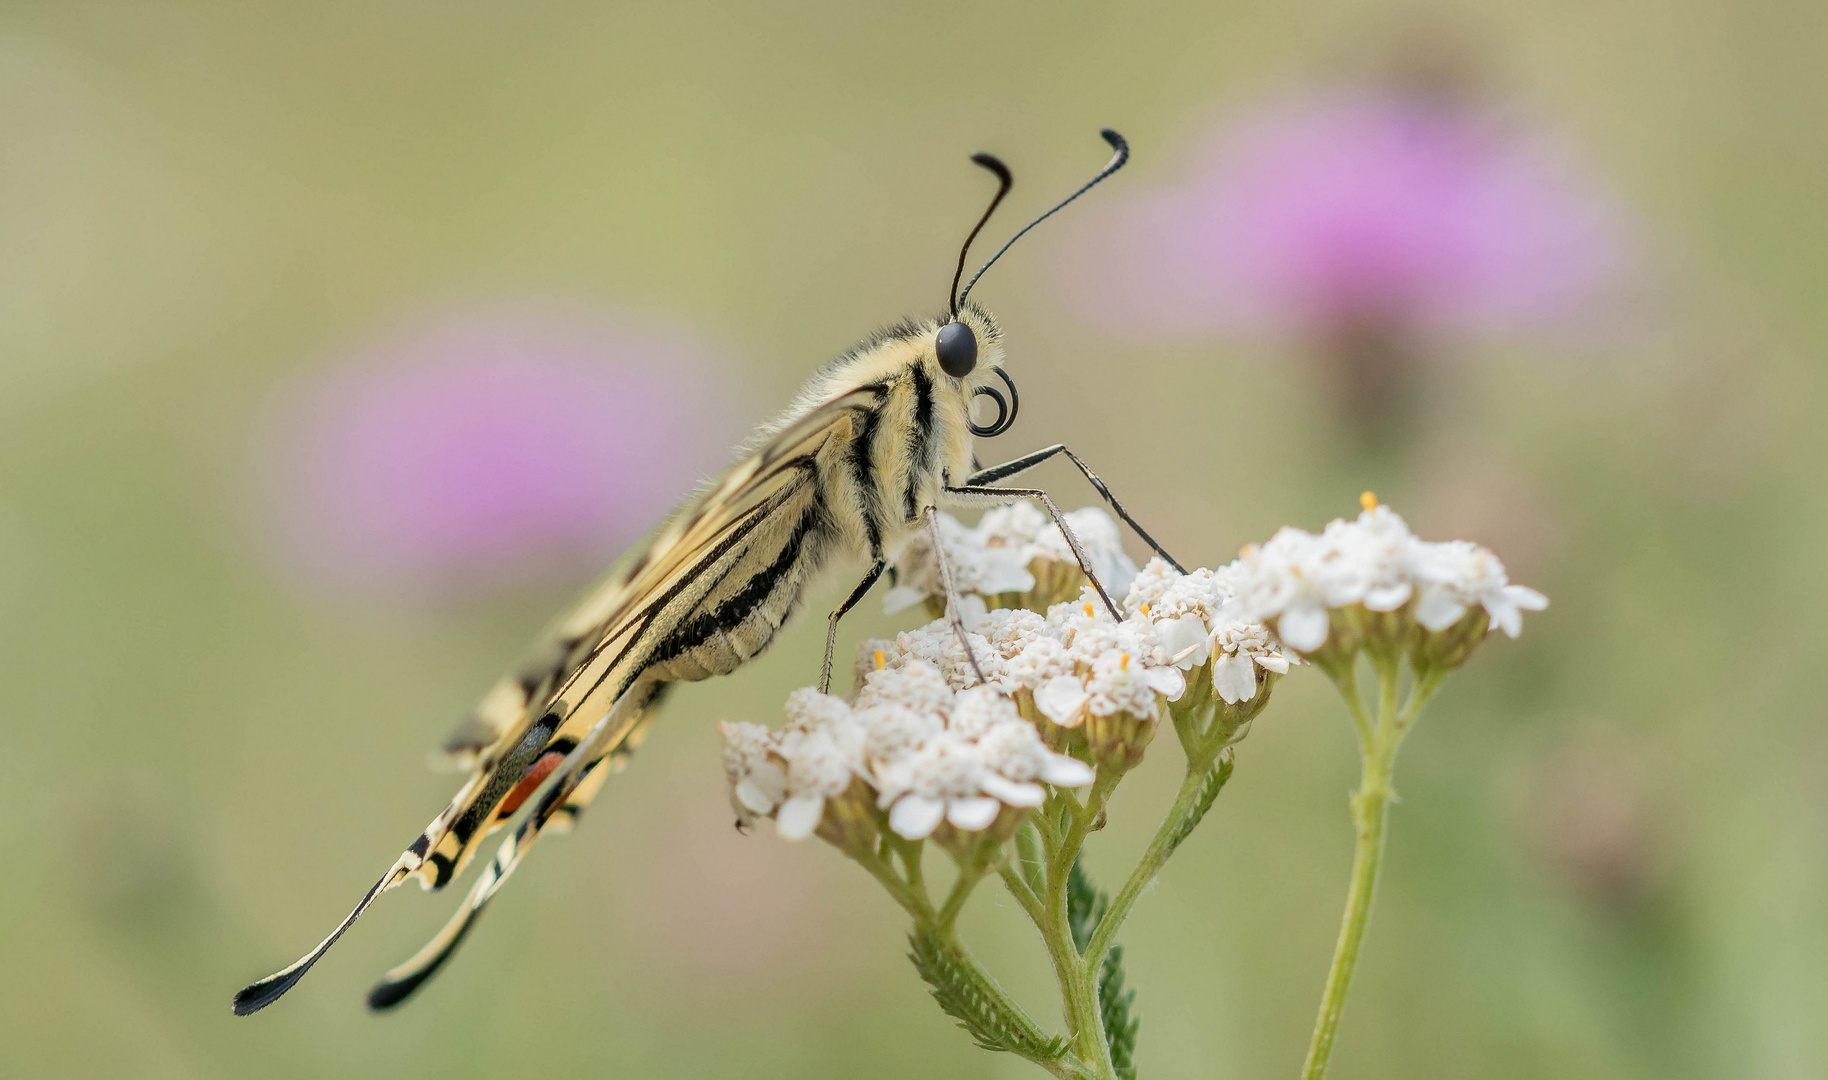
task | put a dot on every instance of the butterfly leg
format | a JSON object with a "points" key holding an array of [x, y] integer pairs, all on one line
{"points": [[831, 633], [1053, 511], [558, 809], [1022, 464], [952, 604]]}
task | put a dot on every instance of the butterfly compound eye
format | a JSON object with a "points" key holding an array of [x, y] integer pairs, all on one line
{"points": [[957, 349]]}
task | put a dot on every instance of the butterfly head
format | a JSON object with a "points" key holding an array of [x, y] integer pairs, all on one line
{"points": [[968, 351]]}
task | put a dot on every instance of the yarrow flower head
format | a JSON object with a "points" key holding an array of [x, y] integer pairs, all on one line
{"points": [[911, 754], [1090, 684], [1014, 557], [1371, 582], [1231, 662]]}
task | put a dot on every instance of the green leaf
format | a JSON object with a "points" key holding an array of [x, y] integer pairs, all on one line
{"points": [[965, 993], [1210, 785], [1117, 1008], [1085, 905]]}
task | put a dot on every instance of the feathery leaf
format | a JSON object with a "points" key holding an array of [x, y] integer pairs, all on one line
{"points": [[1210, 786], [1085, 905], [1117, 1008], [961, 992]]}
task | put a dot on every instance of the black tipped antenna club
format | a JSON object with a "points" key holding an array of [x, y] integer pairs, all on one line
{"points": [[955, 346], [1120, 155]]}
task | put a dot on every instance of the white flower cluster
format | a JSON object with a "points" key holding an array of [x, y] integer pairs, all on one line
{"points": [[910, 745], [1013, 549], [1374, 560], [1072, 663], [1197, 620], [1077, 662], [937, 733]]}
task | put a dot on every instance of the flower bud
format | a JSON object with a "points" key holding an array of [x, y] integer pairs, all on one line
{"points": [[978, 848], [1449, 648], [1117, 740], [851, 822], [1056, 581]]}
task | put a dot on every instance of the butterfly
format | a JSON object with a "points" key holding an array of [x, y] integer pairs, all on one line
{"points": [[861, 461]]}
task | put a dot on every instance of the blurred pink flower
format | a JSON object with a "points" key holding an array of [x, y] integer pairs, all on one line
{"points": [[1328, 217], [490, 448]]}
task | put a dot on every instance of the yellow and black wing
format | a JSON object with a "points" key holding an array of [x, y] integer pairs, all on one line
{"points": [[552, 717]]}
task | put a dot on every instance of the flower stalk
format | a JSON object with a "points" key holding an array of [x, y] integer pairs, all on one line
{"points": [[1077, 978], [1180, 816], [1378, 742]]}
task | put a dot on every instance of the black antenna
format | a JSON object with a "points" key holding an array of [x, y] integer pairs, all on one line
{"points": [[1004, 180], [1122, 155]]}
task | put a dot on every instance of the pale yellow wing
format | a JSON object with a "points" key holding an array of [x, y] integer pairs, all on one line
{"points": [[532, 718]]}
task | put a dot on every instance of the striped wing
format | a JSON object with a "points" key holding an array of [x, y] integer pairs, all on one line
{"points": [[531, 722], [581, 777]]}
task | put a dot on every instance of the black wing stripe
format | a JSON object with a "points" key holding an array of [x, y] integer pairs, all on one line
{"points": [[918, 437], [860, 458], [652, 611], [729, 538], [732, 612], [564, 798]]}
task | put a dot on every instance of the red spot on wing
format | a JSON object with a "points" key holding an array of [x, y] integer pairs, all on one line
{"points": [[530, 783]]}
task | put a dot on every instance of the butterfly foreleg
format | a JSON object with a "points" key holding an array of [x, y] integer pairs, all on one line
{"points": [[831, 633], [952, 604], [1053, 511], [991, 475]]}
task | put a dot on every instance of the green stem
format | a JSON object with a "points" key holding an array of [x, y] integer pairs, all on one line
{"points": [[1426, 683], [1370, 804], [1078, 986], [1083, 816], [955, 900], [1025, 896], [1078, 991], [1079, 998], [1153, 859], [1347, 680], [911, 859]]}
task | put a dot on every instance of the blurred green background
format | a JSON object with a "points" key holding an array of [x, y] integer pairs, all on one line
{"points": [[1612, 846]]}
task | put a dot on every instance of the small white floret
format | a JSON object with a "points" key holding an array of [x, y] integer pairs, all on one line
{"points": [[1062, 699], [973, 812], [799, 816], [914, 817]]}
